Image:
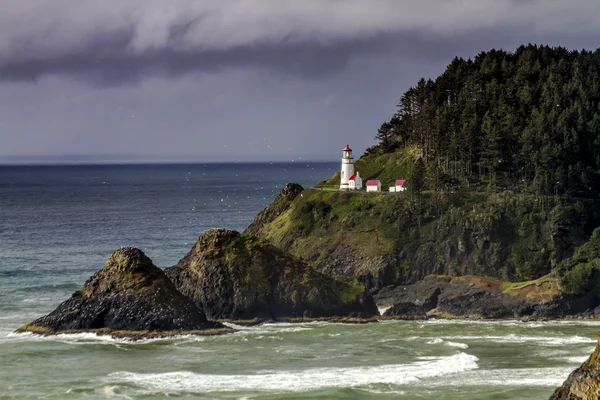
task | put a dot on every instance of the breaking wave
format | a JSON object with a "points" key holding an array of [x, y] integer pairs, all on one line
{"points": [[303, 380]]}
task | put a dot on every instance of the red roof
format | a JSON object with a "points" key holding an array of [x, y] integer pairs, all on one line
{"points": [[400, 182], [353, 177], [373, 182], [347, 148]]}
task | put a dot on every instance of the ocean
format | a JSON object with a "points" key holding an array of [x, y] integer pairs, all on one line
{"points": [[58, 225]]}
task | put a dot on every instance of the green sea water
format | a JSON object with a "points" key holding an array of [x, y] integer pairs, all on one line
{"points": [[389, 359]]}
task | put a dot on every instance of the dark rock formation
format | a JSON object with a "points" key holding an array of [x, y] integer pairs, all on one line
{"points": [[239, 276], [478, 297], [425, 293], [276, 208], [128, 297], [583, 383], [406, 310]]}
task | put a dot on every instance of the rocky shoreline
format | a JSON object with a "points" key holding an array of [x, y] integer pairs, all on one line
{"points": [[484, 298], [226, 277]]}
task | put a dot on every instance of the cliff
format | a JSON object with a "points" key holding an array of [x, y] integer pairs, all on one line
{"points": [[129, 297], [239, 276], [398, 238]]}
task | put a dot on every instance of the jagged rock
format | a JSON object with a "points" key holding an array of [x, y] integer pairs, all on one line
{"points": [[469, 296], [239, 276], [130, 296], [406, 310], [276, 208], [424, 293], [583, 383]]}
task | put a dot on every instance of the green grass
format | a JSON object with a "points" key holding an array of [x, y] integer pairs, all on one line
{"points": [[349, 291], [542, 288]]}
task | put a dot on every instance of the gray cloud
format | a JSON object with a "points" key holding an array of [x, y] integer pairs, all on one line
{"points": [[121, 42], [201, 80]]}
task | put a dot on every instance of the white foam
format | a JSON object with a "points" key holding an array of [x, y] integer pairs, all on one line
{"points": [[302, 380], [524, 377], [572, 360], [112, 392], [383, 309], [270, 328], [463, 346], [90, 337], [541, 340], [511, 322]]}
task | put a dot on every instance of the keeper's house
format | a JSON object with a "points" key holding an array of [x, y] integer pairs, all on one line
{"points": [[399, 187], [373, 185]]}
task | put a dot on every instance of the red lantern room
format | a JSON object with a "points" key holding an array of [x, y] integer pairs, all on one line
{"points": [[347, 152]]}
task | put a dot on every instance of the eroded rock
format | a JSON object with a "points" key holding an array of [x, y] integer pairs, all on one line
{"points": [[239, 276], [130, 296]]}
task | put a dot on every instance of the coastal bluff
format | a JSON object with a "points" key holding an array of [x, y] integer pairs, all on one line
{"points": [[238, 276], [130, 297]]}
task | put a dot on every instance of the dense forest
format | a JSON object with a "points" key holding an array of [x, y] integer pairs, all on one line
{"points": [[527, 120]]}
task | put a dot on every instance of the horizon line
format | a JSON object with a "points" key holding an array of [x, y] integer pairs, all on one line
{"points": [[91, 163]]}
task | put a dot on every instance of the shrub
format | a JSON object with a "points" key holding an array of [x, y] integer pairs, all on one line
{"points": [[583, 278]]}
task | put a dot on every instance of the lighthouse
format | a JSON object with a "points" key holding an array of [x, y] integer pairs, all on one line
{"points": [[347, 168]]}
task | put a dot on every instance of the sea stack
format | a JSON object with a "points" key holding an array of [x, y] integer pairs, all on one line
{"points": [[129, 297], [239, 276]]}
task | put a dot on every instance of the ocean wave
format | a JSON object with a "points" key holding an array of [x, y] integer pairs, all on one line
{"points": [[269, 328], [517, 323], [522, 377], [302, 380], [540, 340], [382, 309], [90, 337], [463, 346], [67, 286]]}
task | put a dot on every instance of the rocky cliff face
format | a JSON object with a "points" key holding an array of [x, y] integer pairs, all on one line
{"points": [[479, 297], [130, 296], [583, 383], [239, 276]]}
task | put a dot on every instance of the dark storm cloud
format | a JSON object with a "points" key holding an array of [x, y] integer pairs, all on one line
{"points": [[123, 42]]}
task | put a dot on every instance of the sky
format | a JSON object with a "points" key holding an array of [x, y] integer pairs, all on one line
{"points": [[239, 80]]}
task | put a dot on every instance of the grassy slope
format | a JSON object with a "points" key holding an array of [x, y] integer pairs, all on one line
{"points": [[386, 167], [386, 238]]}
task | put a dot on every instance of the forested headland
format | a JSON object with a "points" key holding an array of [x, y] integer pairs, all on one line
{"points": [[527, 120]]}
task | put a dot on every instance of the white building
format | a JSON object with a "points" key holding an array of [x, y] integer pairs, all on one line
{"points": [[355, 182], [347, 169], [373, 186], [399, 187]]}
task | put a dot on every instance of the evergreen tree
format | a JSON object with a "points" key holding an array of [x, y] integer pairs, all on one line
{"points": [[529, 120]]}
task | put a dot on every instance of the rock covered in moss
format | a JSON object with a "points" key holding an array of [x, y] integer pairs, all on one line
{"points": [[239, 276], [130, 294], [276, 208], [406, 310], [583, 383]]}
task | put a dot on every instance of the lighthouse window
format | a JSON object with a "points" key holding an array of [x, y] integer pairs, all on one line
{"points": [[342, 174]]}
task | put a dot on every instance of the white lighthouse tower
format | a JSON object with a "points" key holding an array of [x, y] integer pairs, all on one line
{"points": [[347, 168]]}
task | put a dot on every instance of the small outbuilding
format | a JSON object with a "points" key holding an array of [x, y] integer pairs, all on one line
{"points": [[400, 185], [355, 182], [373, 185]]}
